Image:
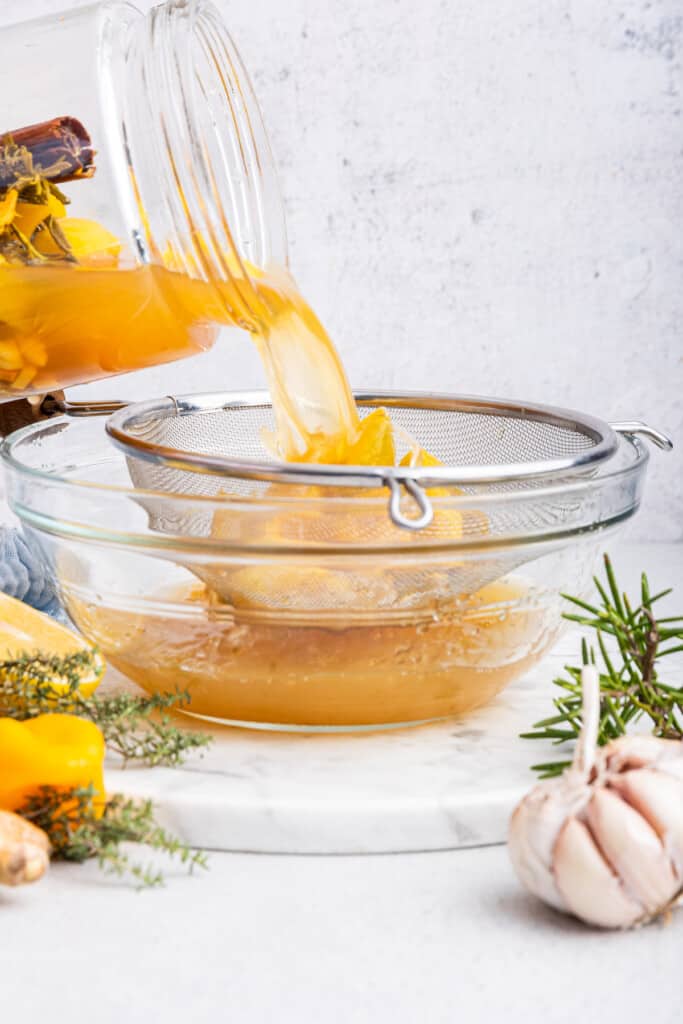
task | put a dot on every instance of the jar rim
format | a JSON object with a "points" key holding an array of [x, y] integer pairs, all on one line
{"points": [[193, 164]]}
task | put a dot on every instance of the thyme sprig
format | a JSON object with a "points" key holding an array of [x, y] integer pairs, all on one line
{"points": [[630, 683], [137, 728], [80, 829]]}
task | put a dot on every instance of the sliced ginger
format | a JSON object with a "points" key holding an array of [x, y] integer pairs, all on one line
{"points": [[24, 850]]}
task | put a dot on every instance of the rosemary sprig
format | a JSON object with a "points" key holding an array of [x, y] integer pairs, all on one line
{"points": [[631, 687], [137, 728], [80, 829]]}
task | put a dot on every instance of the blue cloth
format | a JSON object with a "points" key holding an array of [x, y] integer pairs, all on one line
{"points": [[23, 576]]}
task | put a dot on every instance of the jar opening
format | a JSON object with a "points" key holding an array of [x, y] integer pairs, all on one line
{"points": [[196, 172]]}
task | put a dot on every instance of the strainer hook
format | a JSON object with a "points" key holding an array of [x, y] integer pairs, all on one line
{"points": [[644, 430], [420, 498]]}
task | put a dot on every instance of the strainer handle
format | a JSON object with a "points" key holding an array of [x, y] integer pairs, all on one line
{"points": [[57, 404], [420, 498], [643, 430]]}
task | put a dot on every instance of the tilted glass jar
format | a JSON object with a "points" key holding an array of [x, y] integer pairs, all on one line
{"points": [[138, 200]]}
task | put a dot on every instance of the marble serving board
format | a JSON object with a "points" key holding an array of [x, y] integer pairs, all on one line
{"points": [[441, 786]]}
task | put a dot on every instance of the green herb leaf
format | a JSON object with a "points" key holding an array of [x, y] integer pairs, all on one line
{"points": [[137, 728], [80, 829], [631, 688]]}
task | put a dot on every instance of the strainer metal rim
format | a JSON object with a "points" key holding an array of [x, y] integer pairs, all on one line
{"points": [[393, 477], [415, 481]]}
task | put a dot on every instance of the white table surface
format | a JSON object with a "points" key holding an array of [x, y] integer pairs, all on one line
{"points": [[399, 938]]}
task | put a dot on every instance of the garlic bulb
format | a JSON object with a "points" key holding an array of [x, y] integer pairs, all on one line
{"points": [[605, 840]]}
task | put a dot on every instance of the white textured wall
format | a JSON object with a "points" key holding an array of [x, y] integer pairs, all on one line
{"points": [[482, 196]]}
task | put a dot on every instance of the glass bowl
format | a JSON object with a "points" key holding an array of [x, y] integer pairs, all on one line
{"points": [[285, 608]]}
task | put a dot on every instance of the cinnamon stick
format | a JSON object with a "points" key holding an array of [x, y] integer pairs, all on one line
{"points": [[61, 150]]}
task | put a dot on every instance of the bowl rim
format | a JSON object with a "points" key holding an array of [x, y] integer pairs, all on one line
{"points": [[552, 484], [482, 498]]}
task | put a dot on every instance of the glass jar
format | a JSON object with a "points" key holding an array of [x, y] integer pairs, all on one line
{"points": [[138, 200]]}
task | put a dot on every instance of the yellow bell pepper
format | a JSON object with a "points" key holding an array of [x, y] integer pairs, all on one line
{"points": [[52, 750]]}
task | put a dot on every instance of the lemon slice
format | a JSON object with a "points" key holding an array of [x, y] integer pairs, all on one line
{"points": [[23, 630]]}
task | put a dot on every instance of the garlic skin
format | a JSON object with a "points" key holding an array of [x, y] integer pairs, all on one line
{"points": [[604, 842]]}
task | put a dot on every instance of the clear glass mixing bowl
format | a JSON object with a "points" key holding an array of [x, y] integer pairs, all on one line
{"points": [[285, 608]]}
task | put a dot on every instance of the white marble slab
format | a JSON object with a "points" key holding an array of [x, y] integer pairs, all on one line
{"points": [[440, 786]]}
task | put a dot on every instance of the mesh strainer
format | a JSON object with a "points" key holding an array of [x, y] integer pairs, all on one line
{"points": [[211, 445], [179, 443]]}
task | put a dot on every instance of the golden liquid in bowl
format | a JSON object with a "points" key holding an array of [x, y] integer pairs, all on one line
{"points": [[260, 667]]}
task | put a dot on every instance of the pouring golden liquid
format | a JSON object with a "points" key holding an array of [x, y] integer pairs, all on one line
{"points": [[240, 652]]}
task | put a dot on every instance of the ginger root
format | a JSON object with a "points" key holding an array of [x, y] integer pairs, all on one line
{"points": [[24, 850]]}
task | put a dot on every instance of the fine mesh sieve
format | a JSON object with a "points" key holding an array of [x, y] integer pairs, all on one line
{"points": [[212, 445]]}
